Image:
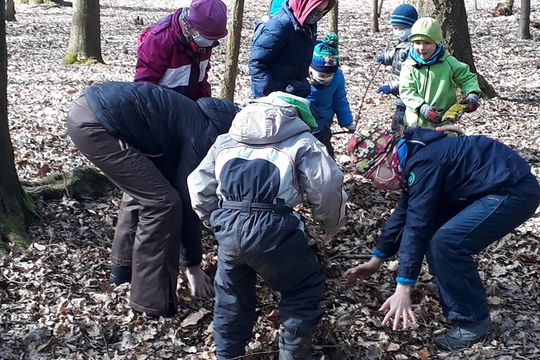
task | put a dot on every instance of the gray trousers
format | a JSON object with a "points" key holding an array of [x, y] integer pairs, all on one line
{"points": [[150, 205]]}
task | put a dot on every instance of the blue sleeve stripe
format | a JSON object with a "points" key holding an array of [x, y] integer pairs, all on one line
{"points": [[378, 253], [405, 281]]}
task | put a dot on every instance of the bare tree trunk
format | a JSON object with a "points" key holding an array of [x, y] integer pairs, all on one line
{"points": [[233, 49], [333, 19], [85, 36], [374, 16], [452, 16], [13, 201], [525, 20], [10, 10]]}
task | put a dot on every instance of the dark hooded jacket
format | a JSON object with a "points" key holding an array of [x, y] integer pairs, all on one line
{"points": [[281, 52], [171, 129], [444, 175]]}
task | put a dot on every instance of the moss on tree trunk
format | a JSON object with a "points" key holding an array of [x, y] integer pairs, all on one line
{"points": [[79, 184]]}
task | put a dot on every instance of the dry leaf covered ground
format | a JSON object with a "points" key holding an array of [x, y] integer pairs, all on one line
{"points": [[56, 301]]}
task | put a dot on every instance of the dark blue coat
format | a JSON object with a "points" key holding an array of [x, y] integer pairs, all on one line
{"points": [[444, 175], [281, 54], [171, 129]]}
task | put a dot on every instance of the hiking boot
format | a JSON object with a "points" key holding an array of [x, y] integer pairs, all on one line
{"points": [[120, 274], [295, 347], [464, 334]]}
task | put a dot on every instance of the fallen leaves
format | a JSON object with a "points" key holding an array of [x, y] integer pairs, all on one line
{"points": [[55, 298]]}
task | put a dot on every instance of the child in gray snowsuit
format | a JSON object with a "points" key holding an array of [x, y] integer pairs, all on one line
{"points": [[245, 189], [402, 20]]}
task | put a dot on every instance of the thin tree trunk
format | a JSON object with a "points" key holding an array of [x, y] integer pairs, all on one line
{"points": [[12, 198], [233, 49], [85, 35], [374, 16], [525, 20], [10, 11], [333, 19]]}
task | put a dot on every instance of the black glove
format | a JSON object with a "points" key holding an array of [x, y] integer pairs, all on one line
{"points": [[431, 114], [471, 101]]}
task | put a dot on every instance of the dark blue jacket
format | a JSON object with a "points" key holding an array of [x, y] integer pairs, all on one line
{"points": [[281, 54], [444, 175], [329, 100], [171, 129]]}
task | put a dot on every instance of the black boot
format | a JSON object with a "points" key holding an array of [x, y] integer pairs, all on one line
{"points": [[464, 335], [293, 347], [120, 274]]}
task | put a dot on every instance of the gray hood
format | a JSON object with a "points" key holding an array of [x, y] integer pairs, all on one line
{"points": [[266, 122]]}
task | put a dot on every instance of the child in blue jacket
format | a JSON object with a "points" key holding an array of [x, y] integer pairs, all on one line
{"points": [[328, 96], [460, 194]]}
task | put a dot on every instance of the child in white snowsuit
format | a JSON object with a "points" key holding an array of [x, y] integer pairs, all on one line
{"points": [[245, 189]]}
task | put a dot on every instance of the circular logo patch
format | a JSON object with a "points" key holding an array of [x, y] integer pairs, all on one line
{"points": [[411, 179]]}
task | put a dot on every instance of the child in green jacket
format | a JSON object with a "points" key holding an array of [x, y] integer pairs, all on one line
{"points": [[428, 78]]}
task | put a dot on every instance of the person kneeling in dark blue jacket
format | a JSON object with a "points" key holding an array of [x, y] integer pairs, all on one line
{"points": [[147, 139], [460, 195]]}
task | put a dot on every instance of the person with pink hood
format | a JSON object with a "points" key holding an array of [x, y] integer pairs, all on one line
{"points": [[282, 48], [175, 52]]}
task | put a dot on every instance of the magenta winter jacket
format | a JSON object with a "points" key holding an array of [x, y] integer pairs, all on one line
{"points": [[164, 58]]}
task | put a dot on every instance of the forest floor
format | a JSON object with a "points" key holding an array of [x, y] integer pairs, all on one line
{"points": [[55, 298]]}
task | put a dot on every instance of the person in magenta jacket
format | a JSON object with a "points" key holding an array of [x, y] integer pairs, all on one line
{"points": [[175, 52]]}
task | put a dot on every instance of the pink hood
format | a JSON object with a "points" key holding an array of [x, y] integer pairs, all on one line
{"points": [[302, 8]]}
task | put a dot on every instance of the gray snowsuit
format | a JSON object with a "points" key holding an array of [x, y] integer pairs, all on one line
{"points": [[245, 188]]}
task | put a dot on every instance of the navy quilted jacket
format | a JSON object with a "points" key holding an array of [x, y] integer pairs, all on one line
{"points": [[281, 54], [444, 175]]}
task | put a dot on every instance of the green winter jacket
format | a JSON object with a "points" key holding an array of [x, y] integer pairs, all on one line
{"points": [[435, 85]]}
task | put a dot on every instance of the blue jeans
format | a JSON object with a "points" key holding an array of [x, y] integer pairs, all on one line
{"points": [[461, 293], [272, 246]]}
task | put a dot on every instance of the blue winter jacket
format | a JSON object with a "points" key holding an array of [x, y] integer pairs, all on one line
{"points": [[444, 175], [281, 54], [329, 100]]}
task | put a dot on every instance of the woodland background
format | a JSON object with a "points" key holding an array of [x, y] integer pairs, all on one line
{"points": [[55, 298]]}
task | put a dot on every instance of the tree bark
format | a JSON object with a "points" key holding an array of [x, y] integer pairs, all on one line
{"points": [[525, 20], [14, 205], [10, 10], [85, 35], [452, 16], [233, 49], [333, 19], [374, 16]]}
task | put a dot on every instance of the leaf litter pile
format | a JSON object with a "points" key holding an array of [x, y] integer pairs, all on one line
{"points": [[55, 298]]}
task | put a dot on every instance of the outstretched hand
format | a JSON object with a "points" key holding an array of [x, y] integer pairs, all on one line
{"points": [[362, 271], [399, 307], [199, 283]]}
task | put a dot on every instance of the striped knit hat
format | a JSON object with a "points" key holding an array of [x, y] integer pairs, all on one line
{"points": [[326, 55], [405, 15]]}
